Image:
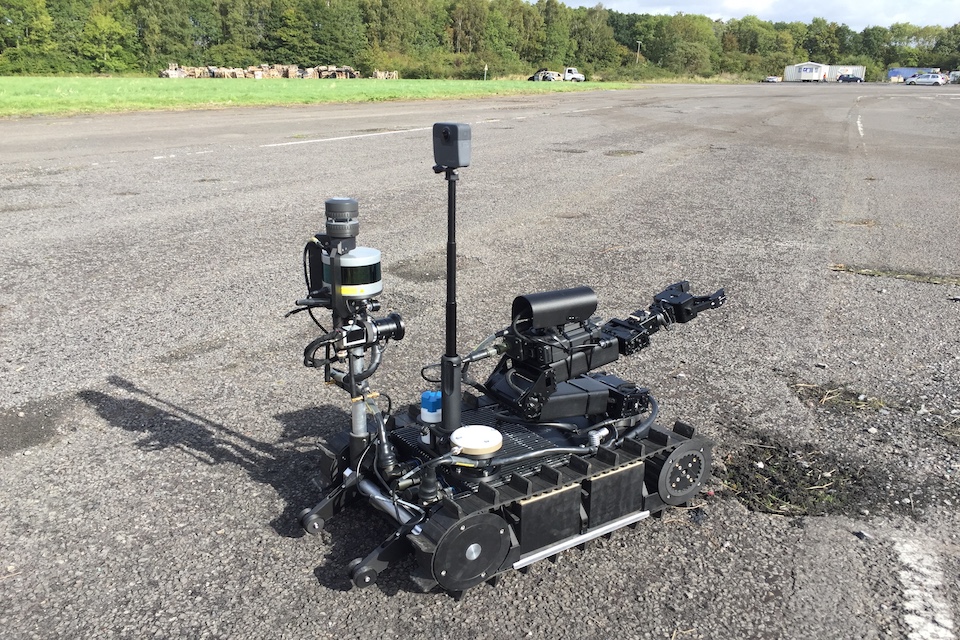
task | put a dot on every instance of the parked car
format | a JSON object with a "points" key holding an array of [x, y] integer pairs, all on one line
{"points": [[545, 75], [771, 79], [926, 78], [849, 78]]}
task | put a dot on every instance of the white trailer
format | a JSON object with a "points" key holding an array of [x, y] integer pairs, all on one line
{"points": [[805, 72]]}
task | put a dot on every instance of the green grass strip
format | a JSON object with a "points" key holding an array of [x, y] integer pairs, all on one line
{"points": [[30, 96]]}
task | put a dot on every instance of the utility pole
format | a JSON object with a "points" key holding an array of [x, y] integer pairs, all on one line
{"points": [[638, 51]]}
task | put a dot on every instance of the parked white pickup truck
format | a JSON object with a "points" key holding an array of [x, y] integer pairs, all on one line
{"points": [[570, 74]]}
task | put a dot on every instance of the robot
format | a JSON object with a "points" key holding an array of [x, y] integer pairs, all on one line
{"points": [[547, 454]]}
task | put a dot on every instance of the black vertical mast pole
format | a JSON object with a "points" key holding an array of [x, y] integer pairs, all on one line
{"points": [[450, 384]]}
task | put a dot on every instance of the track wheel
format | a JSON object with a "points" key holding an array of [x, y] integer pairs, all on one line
{"points": [[361, 576], [471, 551], [312, 524], [678, 476]]}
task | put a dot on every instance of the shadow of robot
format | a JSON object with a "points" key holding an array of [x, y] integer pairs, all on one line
{"points": [[290, 465]]}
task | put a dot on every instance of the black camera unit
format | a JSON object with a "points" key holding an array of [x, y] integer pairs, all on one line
{"points": [[551, 453], [451, 145]]}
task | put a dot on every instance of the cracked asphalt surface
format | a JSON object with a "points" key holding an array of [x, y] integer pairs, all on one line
{"points": [[158, 431]]}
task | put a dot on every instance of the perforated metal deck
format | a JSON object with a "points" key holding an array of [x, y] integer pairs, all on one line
{"points": [[517, 440]]}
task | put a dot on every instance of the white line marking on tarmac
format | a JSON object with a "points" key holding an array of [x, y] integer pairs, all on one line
{"points": [[927, 615], [191, 153], [353, 137], [860, 126], [392, 132]]}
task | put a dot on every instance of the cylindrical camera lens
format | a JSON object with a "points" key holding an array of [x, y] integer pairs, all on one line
{"points": [[390, 327], [342, 216]]}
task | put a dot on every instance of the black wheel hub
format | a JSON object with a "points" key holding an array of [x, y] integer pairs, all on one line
{"points": [[471, 551], [683, 471]]}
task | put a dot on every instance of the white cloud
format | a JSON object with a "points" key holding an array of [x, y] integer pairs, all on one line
{"points": [[741, 8], [856, 15]]}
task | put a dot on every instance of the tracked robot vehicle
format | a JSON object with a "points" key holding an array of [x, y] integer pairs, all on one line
{"points": [[550, 452]]}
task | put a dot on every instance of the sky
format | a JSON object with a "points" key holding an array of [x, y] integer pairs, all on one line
{"points": [[856, 14]]}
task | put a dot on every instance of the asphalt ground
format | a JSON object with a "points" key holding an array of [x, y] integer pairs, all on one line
{"points": [[158, 430]]}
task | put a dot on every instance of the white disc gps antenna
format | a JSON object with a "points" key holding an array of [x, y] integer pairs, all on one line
{"points": [[477, 440]]}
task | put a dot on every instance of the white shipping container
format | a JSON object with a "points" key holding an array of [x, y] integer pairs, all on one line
{"points": [[838, 70]]}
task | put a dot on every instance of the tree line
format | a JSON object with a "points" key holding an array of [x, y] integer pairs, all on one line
{"points": [[441, 38]]}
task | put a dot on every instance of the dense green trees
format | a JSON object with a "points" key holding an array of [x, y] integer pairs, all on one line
{"points": [[593, 37], [26, 37], [440, 38]]}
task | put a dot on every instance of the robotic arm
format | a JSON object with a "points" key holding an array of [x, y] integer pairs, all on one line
{"points": [[675, 304], [552, 344]]}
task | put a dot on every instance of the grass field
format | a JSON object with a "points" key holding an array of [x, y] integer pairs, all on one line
{"points": [[31, 96]]}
